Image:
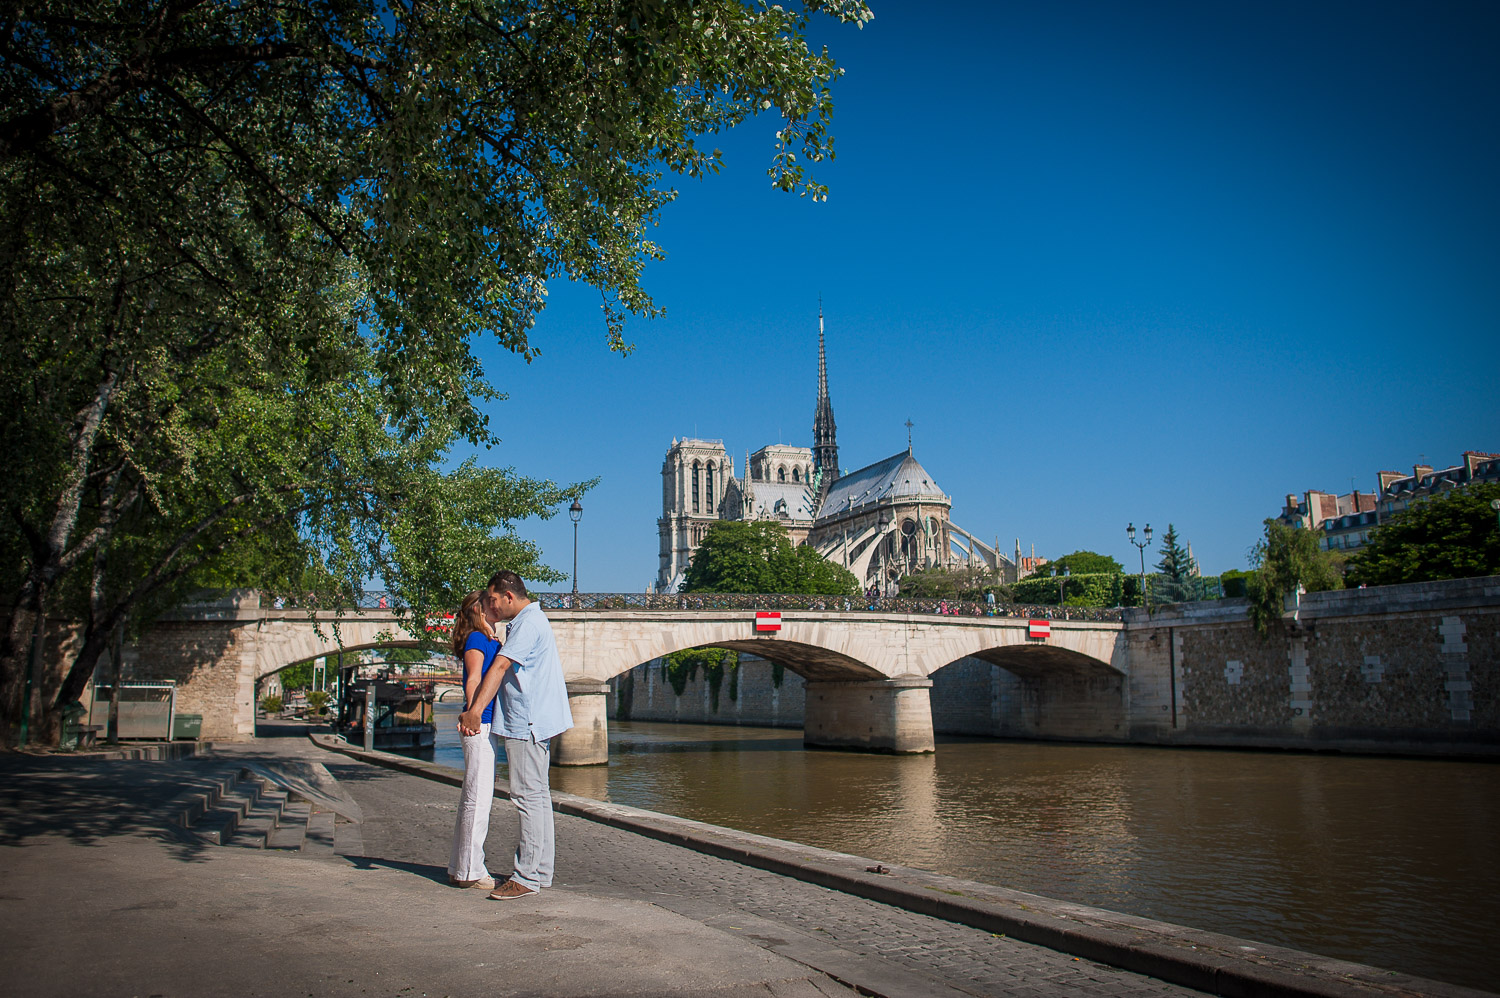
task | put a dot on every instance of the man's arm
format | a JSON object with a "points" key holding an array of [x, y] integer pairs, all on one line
{"points": [[468, 721]]}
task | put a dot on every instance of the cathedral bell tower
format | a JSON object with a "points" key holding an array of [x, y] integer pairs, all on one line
{"points": [[825, 446]]}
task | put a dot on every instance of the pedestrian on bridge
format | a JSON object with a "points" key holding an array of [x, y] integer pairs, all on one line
{"points": [[475, 645], [528, 676]]}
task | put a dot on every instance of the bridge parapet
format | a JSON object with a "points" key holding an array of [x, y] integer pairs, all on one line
{"points": [[252, 603]]}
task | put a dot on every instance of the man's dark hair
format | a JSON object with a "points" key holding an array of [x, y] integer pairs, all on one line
{"points": [[506, 581]]}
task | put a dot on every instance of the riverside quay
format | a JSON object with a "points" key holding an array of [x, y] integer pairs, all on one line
{"points": [[308, 865]]}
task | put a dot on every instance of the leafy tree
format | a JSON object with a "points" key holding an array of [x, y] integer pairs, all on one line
{"points": [[297, 677], [271, 704], [1286, 558], [958, 584], [229, 227], [1090, 589], [1454, 535], [757, 556], [1083, 563], [1234, 583]]}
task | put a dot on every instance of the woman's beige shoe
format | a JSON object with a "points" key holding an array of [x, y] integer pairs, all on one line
{"points": [[483, 883]]}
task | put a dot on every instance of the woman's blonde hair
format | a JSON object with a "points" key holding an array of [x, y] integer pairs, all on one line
{"points": [[467, 621]]}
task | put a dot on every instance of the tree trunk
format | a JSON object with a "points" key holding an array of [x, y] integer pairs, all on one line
{"points": [[20, 668], [117, 654]]}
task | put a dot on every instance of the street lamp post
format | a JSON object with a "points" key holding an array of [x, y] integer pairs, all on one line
{"points": [[575, 513], [1141, 545]]}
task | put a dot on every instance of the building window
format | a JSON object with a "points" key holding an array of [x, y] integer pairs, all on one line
{"points": [[794, 475], [710, 486], [781, 474], [697, 508]]}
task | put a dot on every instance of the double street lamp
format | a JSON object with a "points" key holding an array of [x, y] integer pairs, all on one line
{"points": [[575, 513], [1142, 545]]}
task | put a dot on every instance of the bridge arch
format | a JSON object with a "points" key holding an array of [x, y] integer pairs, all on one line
{"points": [[614, 652], [1030, 691], [281, 643], [1073, 648]]}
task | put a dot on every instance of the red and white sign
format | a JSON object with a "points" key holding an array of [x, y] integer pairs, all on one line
{"points": [[1039, 628], [768, 620]]}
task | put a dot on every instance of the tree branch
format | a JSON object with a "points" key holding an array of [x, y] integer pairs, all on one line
{"points": [[24, 132]]}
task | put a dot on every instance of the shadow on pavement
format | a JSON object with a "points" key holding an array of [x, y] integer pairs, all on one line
{"points": [[88, 801], [437, 874]]}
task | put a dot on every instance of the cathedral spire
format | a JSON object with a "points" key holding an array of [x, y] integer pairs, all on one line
{"points": [[825, 434]]}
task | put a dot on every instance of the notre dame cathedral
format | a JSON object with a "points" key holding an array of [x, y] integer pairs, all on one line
{"points": [[881, 522]]}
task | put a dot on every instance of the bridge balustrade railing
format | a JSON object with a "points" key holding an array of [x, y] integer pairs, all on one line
{"points": [[839, 604], [377, 600]]}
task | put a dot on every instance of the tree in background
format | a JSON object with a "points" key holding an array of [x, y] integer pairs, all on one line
{"points": [[248, 251], [1450, 536], [1083, 563], [962, 584], [1288, 558], [1176, 579], [757, 556], [1235, 583], [297, 677]]}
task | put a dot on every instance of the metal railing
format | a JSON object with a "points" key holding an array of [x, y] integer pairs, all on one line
{"points": [[377, 600]]}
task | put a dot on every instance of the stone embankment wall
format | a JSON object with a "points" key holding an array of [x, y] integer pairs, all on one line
{"points": [[1402, 668]]}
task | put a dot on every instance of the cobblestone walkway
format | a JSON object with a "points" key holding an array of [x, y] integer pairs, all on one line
{"points": [[410, 820]]}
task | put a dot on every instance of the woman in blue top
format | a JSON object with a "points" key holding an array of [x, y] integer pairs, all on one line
{"points": [[475, 645]]}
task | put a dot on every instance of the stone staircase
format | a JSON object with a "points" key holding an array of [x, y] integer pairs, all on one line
{"points": [[248, 808]]}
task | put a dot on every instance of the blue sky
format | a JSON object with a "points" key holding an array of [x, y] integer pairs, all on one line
{"points": [[1152, 263]]}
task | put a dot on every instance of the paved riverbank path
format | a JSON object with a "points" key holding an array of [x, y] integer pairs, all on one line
{"points": [[87, 856]]}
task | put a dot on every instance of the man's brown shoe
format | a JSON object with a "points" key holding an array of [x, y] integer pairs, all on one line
{"points": [[510, 890], [483, 883]]}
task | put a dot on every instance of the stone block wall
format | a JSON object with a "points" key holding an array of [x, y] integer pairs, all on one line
{"points": [[1398, 668], [214, 667], [644, 694]]}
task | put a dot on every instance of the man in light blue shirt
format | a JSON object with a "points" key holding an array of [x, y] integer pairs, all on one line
{"points": [[528, 676]]}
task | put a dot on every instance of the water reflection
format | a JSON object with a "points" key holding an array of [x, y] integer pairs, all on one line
{"points": [[1386, 861]]}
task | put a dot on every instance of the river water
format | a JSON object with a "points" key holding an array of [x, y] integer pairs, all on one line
{"points": [[1393, 862]]}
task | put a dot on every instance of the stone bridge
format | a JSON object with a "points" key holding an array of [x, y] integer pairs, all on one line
{"points": [[867, 672], [1412, 668]]}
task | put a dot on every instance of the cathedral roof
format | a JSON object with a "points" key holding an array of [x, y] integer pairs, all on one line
{"points": [[797, 496], [897, 478]]}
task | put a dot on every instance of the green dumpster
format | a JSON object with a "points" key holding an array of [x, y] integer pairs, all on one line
{"points": [[187, 726]]}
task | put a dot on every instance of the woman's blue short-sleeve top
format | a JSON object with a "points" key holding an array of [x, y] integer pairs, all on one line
{"points": [[477, 641]]}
